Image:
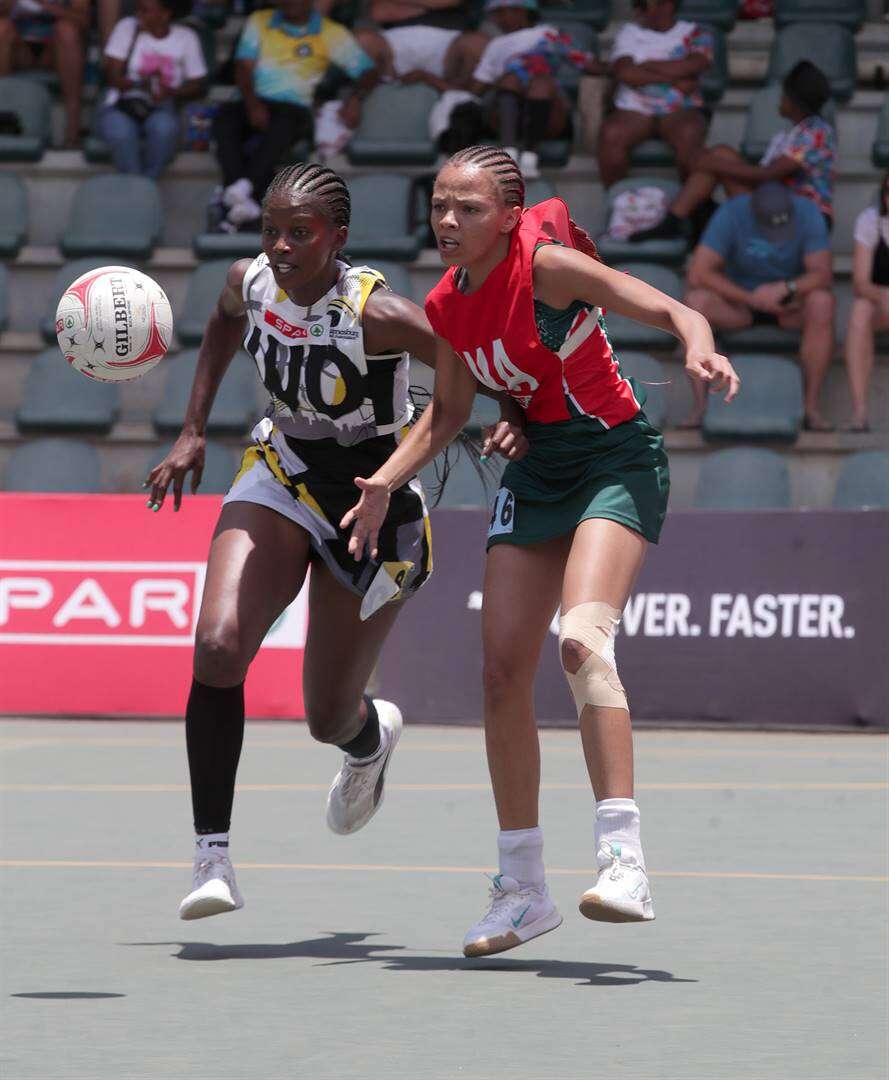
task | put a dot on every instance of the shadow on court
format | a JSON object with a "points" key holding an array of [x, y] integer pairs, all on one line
{"points": [[355, 948]]}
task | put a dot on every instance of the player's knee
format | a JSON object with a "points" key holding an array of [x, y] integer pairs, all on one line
{"points": [[218, 660], [586, 645], [500, 676], [574, 654]]}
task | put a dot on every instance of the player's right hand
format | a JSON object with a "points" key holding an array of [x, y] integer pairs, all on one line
{"points": [[186, 455], [368, 515]]}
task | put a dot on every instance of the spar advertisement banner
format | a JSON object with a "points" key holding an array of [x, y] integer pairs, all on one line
{"points": [[772, 618]]}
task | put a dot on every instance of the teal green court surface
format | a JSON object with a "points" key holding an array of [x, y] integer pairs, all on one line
{"points": [[767, 959]]}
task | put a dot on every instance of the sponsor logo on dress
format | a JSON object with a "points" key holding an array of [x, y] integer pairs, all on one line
{"points": [[283, 327]]}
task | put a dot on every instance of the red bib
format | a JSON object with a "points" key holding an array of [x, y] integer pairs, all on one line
{"points": [[494, 331]]}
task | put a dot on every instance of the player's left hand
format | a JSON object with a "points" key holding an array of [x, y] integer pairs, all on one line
{"points": [[505, 438], [715, 371], [367, 517]]}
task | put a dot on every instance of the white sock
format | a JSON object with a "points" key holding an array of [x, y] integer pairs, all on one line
{"points": [[521, 855], [617, 821], [214, 841]]}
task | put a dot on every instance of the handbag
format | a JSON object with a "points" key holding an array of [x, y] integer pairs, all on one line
{"points": [[135, 103]]}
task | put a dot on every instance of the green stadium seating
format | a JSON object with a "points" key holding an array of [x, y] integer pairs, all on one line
{"points": [[204, 287], [537, 191], [761, 338], [65, 465], [832, 48], [116, 215], [68, 272], [848, 13], [464, 486], [863, 481], [624, 333], [4, 298], [594, 13], [13, 215], [880, 148], [59, 399], [220, 468], [397, 277], [743, 478], [235, 408], [770, 405], [394, 128], [648, 379], [229, 246], [382, 219], [652, 153], [31, 102], [764, 122], [720, 13], [671, 251]]}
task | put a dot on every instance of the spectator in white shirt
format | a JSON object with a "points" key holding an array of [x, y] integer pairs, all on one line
{"points": [[152, 65], [657, 63]]}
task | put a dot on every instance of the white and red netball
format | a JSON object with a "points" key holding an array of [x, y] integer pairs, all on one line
{"points": [[114, 323]]}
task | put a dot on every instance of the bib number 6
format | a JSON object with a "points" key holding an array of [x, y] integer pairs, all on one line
{"points": [[503, 515]]}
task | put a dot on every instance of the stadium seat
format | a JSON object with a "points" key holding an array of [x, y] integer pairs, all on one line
{"points": [[743, 478], [719, 13], [763, 121], [397, 277], [13, 215], [204, 287], [537, 191], [54, 465], [648, 378], [761, 338], [228, 246], [832, 48], [848, 13], [235, 408], [117, 215], [68, 272], [626, 333], [770, 405], [671, 251], [220, 467], [594, 13], [464, 486], [4, 298], [382, 222], [880, 148], [59, 399], [715, 78], [31, 102], [652, 153], [394, 128], [863, 481]]}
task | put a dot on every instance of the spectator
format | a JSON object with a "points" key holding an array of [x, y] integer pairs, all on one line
{"points": [[151, 66], [48, 34], [657, 63], [802, 158], [280, 61], [765, 258], [870, 308]]}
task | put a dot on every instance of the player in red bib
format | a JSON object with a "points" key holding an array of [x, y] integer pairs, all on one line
{"points": [[520, 308]]}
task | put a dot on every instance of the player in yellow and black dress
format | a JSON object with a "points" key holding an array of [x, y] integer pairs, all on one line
{"points": [[331, 343]]}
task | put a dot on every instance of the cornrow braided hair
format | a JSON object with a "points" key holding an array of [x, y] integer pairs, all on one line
{"points": [[506, 171], [309, 178]]}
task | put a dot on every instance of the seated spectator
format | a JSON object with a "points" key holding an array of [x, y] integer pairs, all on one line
{"points": [[870, 308], [48, 34], [151, 67], [765, 258], [802, 158], [657, 63], [282, 57]]}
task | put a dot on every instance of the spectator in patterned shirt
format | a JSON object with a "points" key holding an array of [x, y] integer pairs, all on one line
{"points": [[282, 56], [657, 63], [803, 158]]}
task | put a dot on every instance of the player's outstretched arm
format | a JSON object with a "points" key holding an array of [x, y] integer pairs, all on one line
{"points": [[562, 275], [224, 333]]}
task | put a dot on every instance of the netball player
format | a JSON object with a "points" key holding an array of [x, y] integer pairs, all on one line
{"points": [[520, 308], [331, 343]]}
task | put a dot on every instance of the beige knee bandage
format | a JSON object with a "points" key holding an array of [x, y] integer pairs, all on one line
{"points": [[595, 682]]}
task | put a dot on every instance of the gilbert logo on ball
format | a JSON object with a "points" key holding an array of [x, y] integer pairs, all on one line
{"points": [[114, 323]]}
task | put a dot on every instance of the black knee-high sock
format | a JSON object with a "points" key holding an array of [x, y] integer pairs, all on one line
{"points": [[214, 732], [535, 122], [367, 741], [509, 112]]}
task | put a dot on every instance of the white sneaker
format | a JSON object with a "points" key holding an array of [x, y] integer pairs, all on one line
{"points": [[358, 788], [244, 211], [214, 887], [529, 165], [515, 916], [621, 893], [237, 192]]}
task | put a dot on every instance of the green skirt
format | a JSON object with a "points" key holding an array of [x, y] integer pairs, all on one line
{"points": [[575, 470]]}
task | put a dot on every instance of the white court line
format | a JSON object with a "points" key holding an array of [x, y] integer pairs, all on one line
{"points": [[704, 785], [115, 864]]}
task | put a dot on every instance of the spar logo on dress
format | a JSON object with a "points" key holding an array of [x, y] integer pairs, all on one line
{"points": [[290, 330], [114, 603]]}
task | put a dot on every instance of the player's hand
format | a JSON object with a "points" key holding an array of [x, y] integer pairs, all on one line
{"points": [[505, 438], [368, 515], [350, 112], [187, 455], [714, 371]]}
